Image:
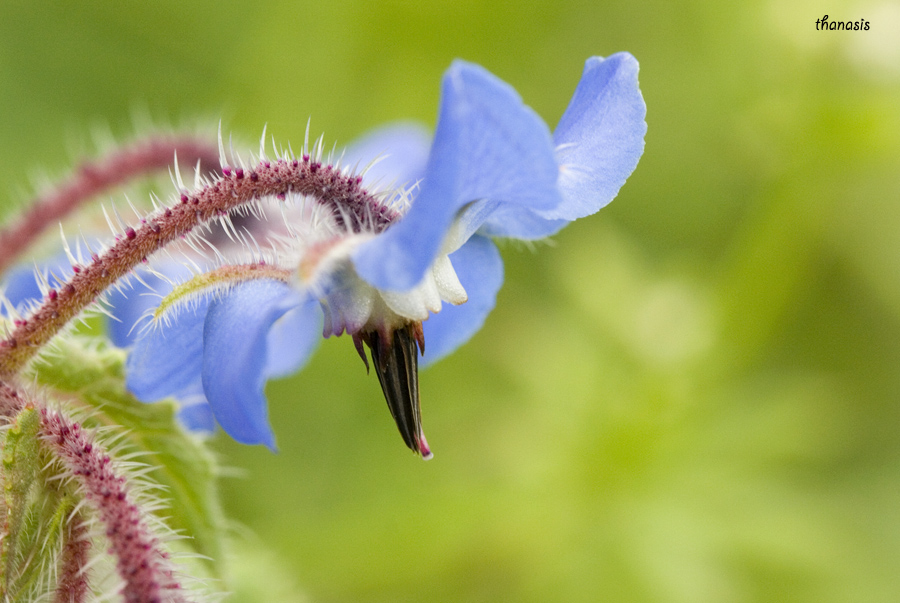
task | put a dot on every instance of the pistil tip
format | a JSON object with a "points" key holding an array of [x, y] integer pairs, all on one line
{"points": [[427, 455]]}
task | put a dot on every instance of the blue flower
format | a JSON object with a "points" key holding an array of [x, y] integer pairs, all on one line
{"points": [[431, 275]]}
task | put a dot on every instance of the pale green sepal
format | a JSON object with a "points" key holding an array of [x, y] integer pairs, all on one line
{"points": [[21, 463], [217, 281], [40, 543]]}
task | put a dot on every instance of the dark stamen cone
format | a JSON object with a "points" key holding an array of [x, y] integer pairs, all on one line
{"points": [[394, 357]]}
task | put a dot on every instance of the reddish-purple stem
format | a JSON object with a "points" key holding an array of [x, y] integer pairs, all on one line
{"points": [[341, 192], [72, 580], [12, 401], [141, 563], [93, 178]]}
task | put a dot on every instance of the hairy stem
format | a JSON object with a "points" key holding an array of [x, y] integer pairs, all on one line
{"points": [[11, 402], [93, 178], [340, 192], [72, 582], [141, 563]]}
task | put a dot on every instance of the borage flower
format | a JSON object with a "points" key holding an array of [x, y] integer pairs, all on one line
{"points": [[380, 267]]}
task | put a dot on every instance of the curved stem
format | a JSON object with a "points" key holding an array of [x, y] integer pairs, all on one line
{"points": [[72, 583], [142, 564], [340, 192], [93, 178]]}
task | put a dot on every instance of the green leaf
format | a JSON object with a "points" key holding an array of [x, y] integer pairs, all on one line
{"points": [[89, 374]]}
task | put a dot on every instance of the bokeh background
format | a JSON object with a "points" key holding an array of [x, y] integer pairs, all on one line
{"points": [[692, 396]]}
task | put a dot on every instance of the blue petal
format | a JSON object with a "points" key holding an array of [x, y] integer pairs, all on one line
{"points": [[21, 286], [131, 304], [235, 356], [600, 136], [292, 339], [480, 270], [194, 412], [403, 148], [488, 145], [495, 219], [128, 308], [197, 418], [167, 359], [520, 223]]}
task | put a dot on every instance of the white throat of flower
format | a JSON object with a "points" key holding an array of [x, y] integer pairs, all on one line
{"points": [[310, 252], [351, 304]]}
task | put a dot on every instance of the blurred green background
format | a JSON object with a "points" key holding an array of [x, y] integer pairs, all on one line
{"points": [[691, 396]]}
